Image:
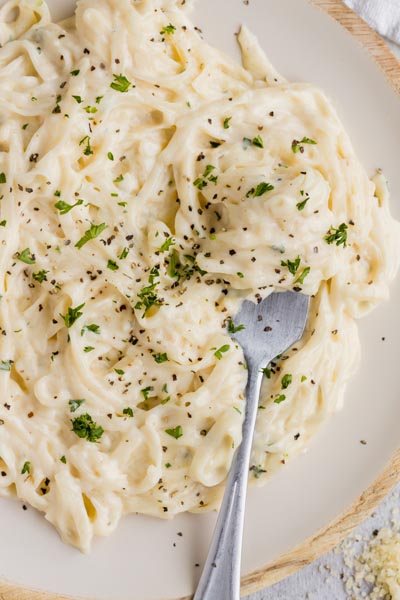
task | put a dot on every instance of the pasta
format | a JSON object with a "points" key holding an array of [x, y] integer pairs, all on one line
{"points": [[148, 185]]}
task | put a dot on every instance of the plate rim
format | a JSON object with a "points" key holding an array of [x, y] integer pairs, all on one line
{"points": [[335, 531]]}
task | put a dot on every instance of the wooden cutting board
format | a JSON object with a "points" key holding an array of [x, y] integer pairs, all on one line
{"points": [[335, 532]]}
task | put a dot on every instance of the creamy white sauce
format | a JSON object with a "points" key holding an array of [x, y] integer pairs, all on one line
{"points": [[199, 193]]}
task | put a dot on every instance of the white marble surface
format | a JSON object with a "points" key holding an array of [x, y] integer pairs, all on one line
{"points": [[322, 580]]}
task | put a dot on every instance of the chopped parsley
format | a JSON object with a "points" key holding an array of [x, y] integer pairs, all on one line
{"points": [[26, 257], [303, 275], [280, 398], [86, 428], [65, 208], [167, 245], [93, 328], [88, 148], [88, 349], [260, 190], [110, 156], [128, 412], [75, 404], [73, 314], [75, 73], [148, 295], [168, 30], [120, 83], [40, 276], [292, 265], [26, 468], [91, 234], [301, 205], [112, 265], [3, 178], [119, 179], [257, 470], [119, 371], [146, 391], [91, 110], [233, 329], [337, 236], [161, 358], [202, 182], [297, 146], [176, 433], [78, 99], [227, 122], [218, 353], [286, 381], [124, 254], [3, 223], [258, 141], [5, 365], [63, 460]]}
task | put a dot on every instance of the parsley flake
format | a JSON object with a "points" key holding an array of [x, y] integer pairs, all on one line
{"points": [[218, 353], [260, 190], [91, 234], [65, 208], [297, 146], [73, 314], [26, 468], [286, 381], [75, 404], [40, 276], [160, 358], [26, 257], [176, 433], [168, 30], [233, 329], [86, 428], [337, 236], [120, 83]]}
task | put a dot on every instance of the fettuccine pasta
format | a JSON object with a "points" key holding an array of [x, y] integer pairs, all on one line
{"points": [[148, 185]]}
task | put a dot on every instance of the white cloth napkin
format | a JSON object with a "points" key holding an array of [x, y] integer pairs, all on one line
{"points": [[382, 15]]}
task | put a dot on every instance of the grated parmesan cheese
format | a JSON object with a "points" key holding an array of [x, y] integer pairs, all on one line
{"points": [[373, 564]]}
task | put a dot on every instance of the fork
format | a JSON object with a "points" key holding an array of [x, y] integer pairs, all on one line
{"points": [[268, 329]]}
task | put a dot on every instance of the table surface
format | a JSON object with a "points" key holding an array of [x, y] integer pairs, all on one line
{"points": [[322, 580]]}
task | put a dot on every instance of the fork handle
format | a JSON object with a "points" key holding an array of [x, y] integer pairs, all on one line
{"points": [[220, 579]]}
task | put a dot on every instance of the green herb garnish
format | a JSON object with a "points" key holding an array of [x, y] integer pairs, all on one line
{"points": [[233, 329], [176, 433], [26, 257], [260, 190], [337, 236], [297, 146], [65, 208], [218, 353], [26, 468], [168, 30], [40, 276], [128, 412], [73, 314], [91, 234], [292, 265], [120, 83], [161, 358], [86, 428], [75, 404], [286, 381]]}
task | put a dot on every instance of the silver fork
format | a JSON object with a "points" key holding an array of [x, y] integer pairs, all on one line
{"points": [[270, 328]]}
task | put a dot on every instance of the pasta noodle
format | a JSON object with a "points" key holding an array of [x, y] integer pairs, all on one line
{"points": [[148, 185]]}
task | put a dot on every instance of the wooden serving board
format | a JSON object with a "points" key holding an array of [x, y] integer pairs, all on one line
{"points": [[336, 531]]}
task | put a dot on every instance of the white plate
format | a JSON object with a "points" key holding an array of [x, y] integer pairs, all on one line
{"points": [[146, 559]]}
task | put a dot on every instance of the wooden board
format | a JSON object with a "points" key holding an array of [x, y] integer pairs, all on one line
{"points": [[336, 531]]}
